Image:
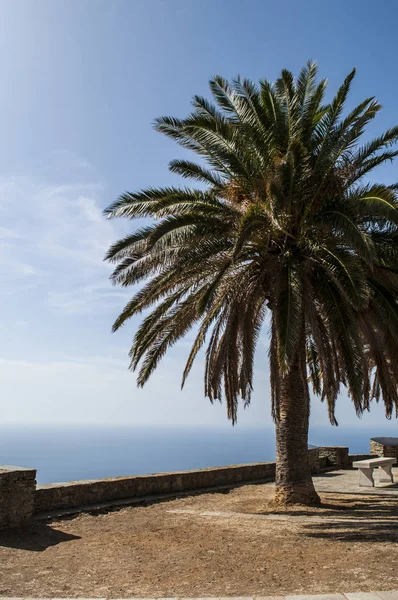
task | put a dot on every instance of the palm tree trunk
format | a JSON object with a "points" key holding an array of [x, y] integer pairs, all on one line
{"points": [[293, 479]]}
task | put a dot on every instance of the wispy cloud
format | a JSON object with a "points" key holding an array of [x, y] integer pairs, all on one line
{"points": [[99, 390], [85, 299], [63, 160], [6, 233], [54, 237]]}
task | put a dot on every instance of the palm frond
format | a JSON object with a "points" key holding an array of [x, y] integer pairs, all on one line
{"points": [[283, 222]]}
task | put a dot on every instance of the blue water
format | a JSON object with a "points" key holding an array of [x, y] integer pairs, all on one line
{"points": [[67, 453]]}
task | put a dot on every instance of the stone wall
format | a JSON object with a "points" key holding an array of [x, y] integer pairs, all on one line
{"points": [[336, 456], [313, 454], [78, 493], [385, 448], [376, 448], [355, 457], [17, 494]]}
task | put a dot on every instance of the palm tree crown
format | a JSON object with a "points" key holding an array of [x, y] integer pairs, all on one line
{"points": [[285, 222]]}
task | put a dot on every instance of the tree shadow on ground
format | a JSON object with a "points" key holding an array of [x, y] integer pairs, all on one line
{"points": [[35, 537], [358, 531], [374, 507], [350, 519]]}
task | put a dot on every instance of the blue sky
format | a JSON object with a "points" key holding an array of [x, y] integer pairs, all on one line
{"points": [[82, 82]]}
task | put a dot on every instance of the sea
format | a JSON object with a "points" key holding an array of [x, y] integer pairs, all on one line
{"points": [[75, 452]]}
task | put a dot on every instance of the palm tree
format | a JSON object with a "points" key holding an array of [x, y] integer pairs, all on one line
{"points": [[285, 223]]}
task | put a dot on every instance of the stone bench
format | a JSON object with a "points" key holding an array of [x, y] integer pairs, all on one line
{"points": [[366, 468]]}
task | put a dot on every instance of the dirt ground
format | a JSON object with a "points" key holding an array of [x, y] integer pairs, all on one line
{"points": [[150, 551]]}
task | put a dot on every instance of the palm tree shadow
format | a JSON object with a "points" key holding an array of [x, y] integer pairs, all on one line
{"points": [[36, 537], [372, 519], [378, 531], [381, 508]]}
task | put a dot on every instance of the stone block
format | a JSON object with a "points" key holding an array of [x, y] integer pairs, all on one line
{"points": [[17, 491], [384, 446], [336, 456], [313, 457]]}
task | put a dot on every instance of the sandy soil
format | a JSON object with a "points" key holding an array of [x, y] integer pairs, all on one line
{"points": [[149, 551]]}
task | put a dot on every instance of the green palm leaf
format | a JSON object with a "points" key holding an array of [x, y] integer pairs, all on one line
{"points": [[282, 223]]}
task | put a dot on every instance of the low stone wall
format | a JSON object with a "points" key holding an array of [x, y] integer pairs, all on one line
{"points": [[79, 493], [20, 497], [313, 454], [355, 457], [387, 447], [336, 456], [17, 494], [376, 448]]}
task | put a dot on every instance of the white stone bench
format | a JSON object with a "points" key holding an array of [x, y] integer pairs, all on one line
{"points": [[366, 468]]}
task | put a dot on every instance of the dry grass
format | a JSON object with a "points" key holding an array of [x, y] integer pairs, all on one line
{"points": [[350, 543]]}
